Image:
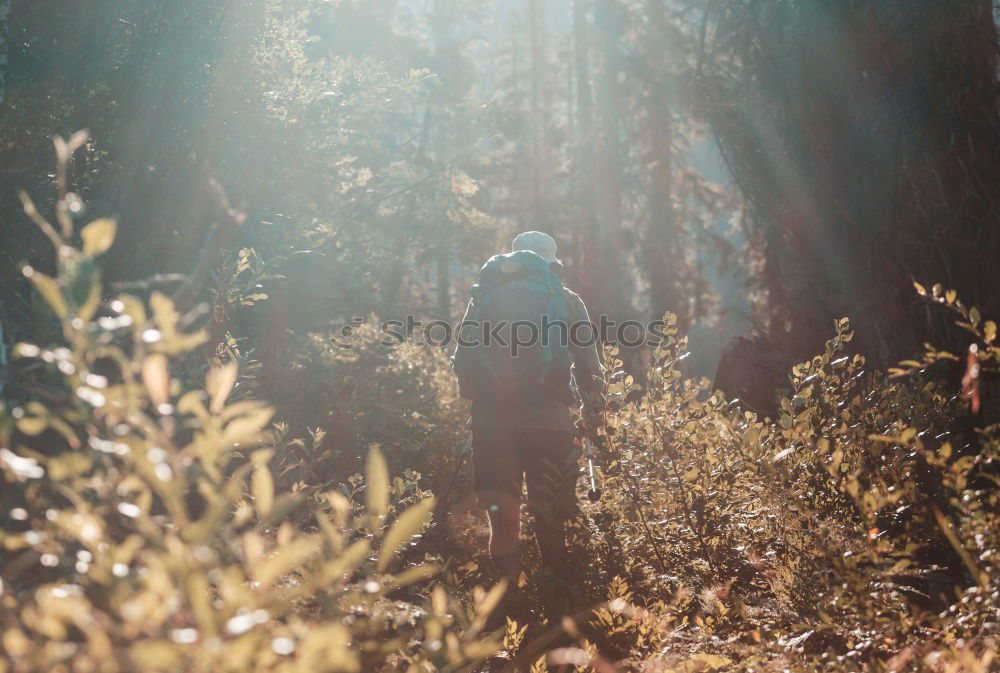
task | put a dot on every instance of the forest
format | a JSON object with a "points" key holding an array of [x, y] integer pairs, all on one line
{"points": [[237, 239]]}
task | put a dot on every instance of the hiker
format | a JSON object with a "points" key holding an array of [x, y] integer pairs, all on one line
{"points": [[527, 353]]}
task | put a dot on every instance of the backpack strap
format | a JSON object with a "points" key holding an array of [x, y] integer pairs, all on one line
{"points": [[556, 311]]}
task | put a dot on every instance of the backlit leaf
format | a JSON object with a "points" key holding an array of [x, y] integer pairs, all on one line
{"points": [[156, 376], [403, 529], [98, 236], [247, 428], [89, 307], [286, 558], [219, 382], [262, 483], [377, 483], [32, 425], [53, 296]]}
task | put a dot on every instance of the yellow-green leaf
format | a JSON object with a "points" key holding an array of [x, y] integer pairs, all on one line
{"points": [[98, 236], [53, 296], [262, 483], [489, 602], [329, 648], [32, 425], [156, 655], [403, 530], [190, 403], [89, 306], [247, 428], [990, 331], [345, 563], [200, 597], [377, 487], [415, 574], [219, 382], [164, 313], [156, 376], [287, 557]]}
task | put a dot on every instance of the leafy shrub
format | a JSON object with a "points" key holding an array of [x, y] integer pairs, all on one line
{"points": [[144, 531], [402, 397], [826, 538]]}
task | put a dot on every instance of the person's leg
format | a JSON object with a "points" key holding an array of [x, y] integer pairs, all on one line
{"points": [[552, 469], [498, 479]]}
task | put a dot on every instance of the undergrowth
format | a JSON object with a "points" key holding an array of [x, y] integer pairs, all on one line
{"points": [[156, 518]]}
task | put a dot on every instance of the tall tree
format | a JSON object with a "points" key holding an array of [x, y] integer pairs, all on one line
{"points": [[865, 138], [604, 257]]}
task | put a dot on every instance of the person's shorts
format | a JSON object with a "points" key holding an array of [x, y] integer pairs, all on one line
{"points": [[504, 457]]}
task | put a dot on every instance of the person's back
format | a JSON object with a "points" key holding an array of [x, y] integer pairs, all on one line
{"points": [[524, 340]]}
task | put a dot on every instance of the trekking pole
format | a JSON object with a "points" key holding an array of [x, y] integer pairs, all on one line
{"points": [[594, 494]]}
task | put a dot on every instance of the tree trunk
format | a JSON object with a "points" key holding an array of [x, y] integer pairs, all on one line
{"points": [[4, 16], [659, 250], [539, 150], [606, 250], [584, 235], [864, 136]]}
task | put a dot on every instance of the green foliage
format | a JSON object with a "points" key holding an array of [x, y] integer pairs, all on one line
{"points": [[145, 532], [401, 397], [823, 539], [159, 518]]}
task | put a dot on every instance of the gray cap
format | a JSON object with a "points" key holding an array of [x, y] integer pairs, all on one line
{"points": [[537, 242]]}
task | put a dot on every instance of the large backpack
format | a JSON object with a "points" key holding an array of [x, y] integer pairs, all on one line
{"points": [[514, 289]]}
